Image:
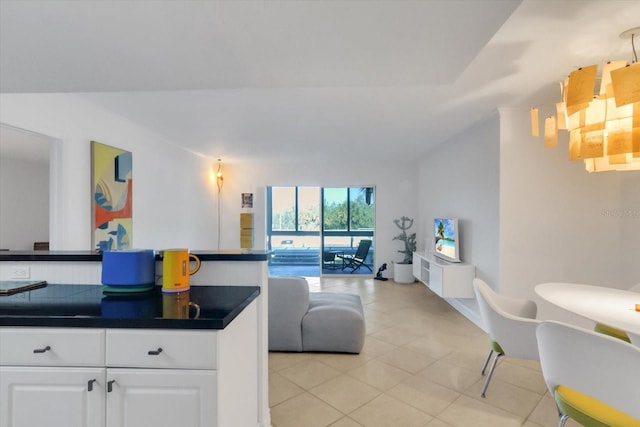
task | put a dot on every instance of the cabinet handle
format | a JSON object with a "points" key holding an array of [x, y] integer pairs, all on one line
{"points": [[42, 350], [155, 352], [90, 384], [110, 386]]}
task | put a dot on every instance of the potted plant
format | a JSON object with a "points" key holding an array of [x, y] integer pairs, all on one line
{"points": [[403, 270]]}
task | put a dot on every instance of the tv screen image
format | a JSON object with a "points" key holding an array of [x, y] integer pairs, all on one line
{"points": [[447, 245]]}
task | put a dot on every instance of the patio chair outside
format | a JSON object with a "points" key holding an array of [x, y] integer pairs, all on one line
{"points": [[330, 260], [357, 260]]}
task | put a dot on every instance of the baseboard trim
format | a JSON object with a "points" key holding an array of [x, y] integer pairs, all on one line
{"points": [[466, 312]]}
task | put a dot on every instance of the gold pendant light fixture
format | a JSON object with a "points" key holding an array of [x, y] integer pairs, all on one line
{"points": [[603, 126]]}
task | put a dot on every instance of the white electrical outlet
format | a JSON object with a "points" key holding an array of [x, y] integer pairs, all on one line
{"points": [[22, 272]]}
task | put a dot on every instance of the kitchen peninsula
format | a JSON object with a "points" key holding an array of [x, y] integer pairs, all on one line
{"points": [[143, 368]]}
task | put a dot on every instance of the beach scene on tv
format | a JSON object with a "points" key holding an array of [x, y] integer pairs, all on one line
{"points": [[445, 238]]}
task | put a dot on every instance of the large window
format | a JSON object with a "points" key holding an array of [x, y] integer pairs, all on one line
{"points": [[283, 208], [348, 209], [294, 209], [336, 209], [294, 221], [305, 222], [348, 218]]}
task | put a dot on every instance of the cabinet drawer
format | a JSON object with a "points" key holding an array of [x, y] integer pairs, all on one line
{"points": [[162, 349], [51, 347]]}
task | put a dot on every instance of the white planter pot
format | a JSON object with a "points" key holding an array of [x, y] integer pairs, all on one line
{"points": [[403, 273]]}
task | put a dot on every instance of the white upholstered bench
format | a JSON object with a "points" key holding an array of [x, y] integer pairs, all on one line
{"points": [[300, 320]]}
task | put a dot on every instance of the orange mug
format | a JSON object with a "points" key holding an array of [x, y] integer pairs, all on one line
{"points": [[177, 306], [176, 269]]}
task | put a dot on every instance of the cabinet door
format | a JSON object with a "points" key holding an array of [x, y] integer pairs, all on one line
{"points": [[161, 398], [53, 397], [436, 279], [417, 266]]}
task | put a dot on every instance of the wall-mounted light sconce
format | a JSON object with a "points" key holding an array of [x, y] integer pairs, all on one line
{"points": [[219, 177], [219, 182]]}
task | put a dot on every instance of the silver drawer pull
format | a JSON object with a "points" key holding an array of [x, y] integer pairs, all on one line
{"points": [[155, 352], [90, 384], [42, 350]]}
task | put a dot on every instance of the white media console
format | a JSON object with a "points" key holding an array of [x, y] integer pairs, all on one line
{"points": [[445, 279]]}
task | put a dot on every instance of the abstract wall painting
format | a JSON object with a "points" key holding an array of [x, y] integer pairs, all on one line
{"points": [[111, 192]]}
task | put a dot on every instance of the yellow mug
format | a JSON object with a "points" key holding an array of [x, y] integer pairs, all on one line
{"points": [[176, 269], [177, 305]]}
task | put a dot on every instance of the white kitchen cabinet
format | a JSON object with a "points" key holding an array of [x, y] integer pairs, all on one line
{"points": [[162, 378], [50, 396], [81, 397], [161, 398], [67, 377], [219, 269], [445, 279], [52, 377]]}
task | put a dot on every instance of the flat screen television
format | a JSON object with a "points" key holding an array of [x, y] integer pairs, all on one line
{"points": [[447, 239]]}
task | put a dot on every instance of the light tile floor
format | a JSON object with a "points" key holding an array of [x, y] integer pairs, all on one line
{"points": [[420, 366]]}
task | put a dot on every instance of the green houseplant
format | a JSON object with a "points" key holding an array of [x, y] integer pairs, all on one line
{"points": [[403, 270]]}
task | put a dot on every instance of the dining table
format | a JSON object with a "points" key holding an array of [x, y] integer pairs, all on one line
{"points": [[613, 307]]}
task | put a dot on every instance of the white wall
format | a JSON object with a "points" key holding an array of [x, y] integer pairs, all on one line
{"points": [[24, 203], [529, 215], [630, 229], [174, 196], [559, 223], [460, 179]]}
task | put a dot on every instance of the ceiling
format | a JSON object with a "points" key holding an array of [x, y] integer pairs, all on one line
{"points": [[344, 79]]}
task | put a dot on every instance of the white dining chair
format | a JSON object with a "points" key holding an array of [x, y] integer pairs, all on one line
{"points": [[511, 324], [594, 378]]}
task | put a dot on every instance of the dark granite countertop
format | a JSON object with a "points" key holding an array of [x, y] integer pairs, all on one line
{"points": [[61, 305], [217, 255]]}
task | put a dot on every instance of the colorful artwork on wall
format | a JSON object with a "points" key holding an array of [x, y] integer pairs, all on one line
{"points": [[111, 191]]}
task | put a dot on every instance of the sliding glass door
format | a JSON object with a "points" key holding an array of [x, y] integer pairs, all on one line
{"points": [[348, 230], [313, 230]]}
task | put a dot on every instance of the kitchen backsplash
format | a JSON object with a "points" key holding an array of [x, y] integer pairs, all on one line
{"points": [[85, 273]]}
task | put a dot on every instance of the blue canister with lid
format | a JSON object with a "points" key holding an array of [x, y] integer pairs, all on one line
{"points": [[128, 267]]}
